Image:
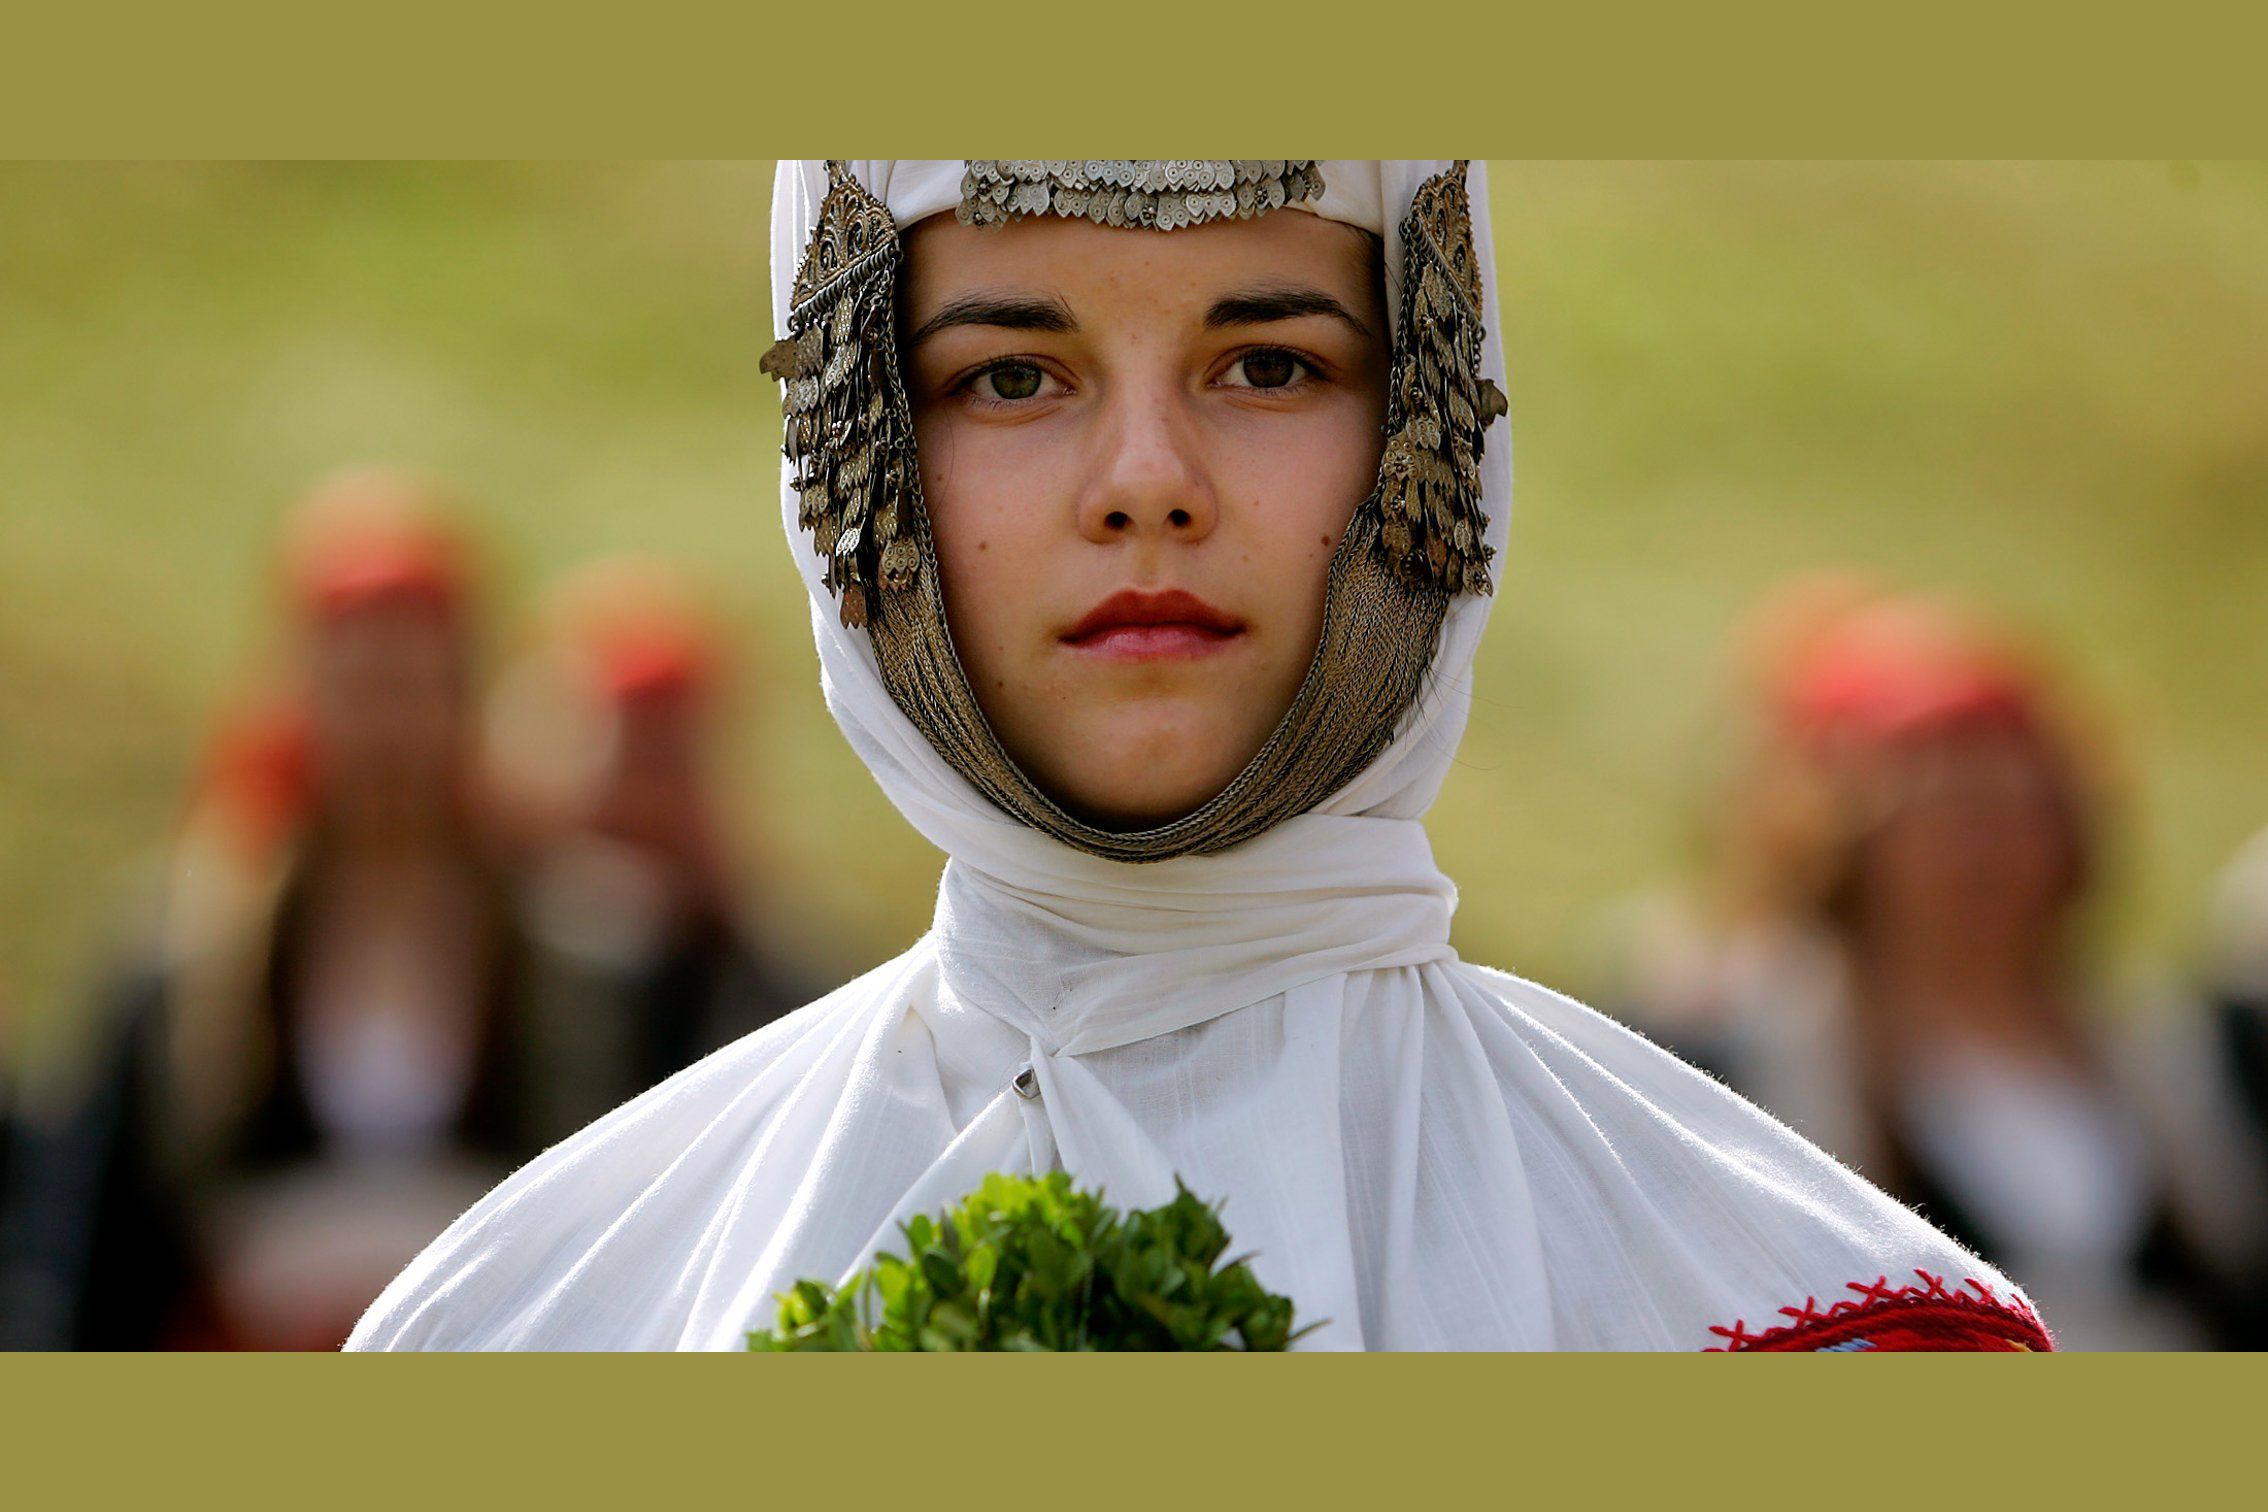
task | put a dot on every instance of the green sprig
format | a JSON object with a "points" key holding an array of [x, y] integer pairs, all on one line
{"points": [[1033, 1264]]}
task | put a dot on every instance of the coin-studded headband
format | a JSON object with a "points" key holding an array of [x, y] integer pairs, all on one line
{"points": [[1162, 194]]}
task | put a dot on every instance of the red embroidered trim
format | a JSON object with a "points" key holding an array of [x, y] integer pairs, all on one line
{"points": [[1930, 1316]]}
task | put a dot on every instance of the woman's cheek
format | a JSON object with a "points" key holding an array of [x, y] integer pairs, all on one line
{"points": [[1299, 505], [990, 604]]}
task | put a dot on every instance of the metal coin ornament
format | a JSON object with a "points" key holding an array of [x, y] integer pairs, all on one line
{"points": [[1160, 194]]}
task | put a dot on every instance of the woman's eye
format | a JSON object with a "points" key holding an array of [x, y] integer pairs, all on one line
{"points": [[1265, 370], [1015, 380]]}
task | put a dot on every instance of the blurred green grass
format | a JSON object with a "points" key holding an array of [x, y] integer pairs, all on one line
{"points": [[2047, 384]]}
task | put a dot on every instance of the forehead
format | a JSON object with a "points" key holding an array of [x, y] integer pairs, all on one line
{"points": [[1095, 267]]}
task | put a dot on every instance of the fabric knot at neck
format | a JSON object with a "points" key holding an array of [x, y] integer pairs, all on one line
{"points": [[1083, 954]]}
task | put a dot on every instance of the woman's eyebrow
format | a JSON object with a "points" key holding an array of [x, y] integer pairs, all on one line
{"points": [[1290, 302], [1015, 312]]}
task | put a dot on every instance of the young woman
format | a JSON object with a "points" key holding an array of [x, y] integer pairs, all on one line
{"points": [[1147, 512]]}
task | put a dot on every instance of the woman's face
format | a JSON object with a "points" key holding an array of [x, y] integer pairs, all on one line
{"points": [[1139, 451], [1977, 843], [387, 701]]}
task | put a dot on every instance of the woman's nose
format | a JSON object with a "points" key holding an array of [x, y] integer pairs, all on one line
{"points": [[1149, 476]]}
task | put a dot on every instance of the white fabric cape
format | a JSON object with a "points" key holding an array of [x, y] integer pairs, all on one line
{"points": [[1424, 1154]]}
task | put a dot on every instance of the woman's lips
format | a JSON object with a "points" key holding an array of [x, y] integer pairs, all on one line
{"points": [[1151, 642], [1132, 625]]}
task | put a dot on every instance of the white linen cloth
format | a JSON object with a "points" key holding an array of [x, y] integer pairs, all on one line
{"points": [[1424, 1154]]}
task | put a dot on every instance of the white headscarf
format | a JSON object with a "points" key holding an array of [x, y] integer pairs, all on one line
{"points": [[1423, 1153]]}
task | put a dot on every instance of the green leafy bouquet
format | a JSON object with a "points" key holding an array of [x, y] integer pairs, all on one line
{"points": [[1026, 1263]]}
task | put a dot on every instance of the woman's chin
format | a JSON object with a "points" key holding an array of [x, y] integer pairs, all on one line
{"points": [[1140, 795], [1142, 765]]}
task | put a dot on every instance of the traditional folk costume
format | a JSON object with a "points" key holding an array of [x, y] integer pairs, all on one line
{"points": [[1258, 998]]}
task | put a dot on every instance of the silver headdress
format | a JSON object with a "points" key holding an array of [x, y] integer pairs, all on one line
{"points": [[1412, 546]]}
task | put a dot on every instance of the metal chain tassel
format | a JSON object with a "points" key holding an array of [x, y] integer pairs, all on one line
{"points": [[1439, 406], [849, 429]]}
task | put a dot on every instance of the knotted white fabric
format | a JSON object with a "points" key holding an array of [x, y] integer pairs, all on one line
{"points": [[1422, 1153]]}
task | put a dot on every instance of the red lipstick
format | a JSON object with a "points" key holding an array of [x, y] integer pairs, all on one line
{"points": [[1132, 625]]}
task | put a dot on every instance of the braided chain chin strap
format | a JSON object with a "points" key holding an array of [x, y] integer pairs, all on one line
{"points": [[1411, 547]]}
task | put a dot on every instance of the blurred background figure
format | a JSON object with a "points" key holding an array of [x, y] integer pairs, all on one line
{"points": [[370, 985], [602, 740], [301, 1066], [1891, 955], [11, 1217], [2238, 984]]}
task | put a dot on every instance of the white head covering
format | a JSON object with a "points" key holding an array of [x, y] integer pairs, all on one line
{"points": [[1422, 1153]]}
